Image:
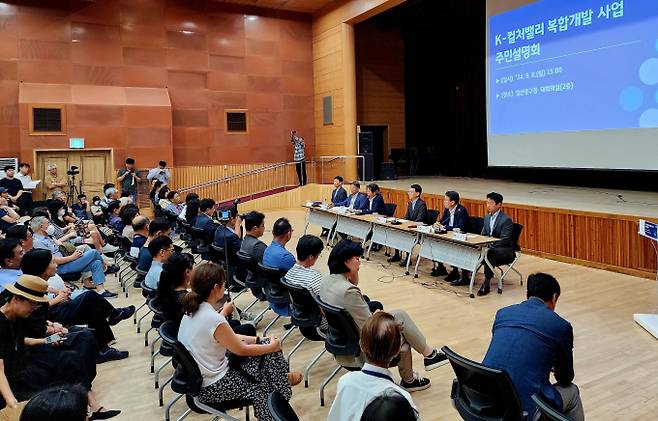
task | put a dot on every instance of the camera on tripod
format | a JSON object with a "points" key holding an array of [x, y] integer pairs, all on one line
{"points": [[73, 171], [224, 213]]}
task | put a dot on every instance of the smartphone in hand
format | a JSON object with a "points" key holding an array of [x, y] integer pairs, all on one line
{"points": [[53, 338]]}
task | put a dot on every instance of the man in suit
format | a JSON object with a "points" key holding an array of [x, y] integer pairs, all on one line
{"points": [[455, 217], [228, 237], [375, 202], [497, 224], [338, 195], [356, 201], [529, 340], [205, 222], [416, 211]]}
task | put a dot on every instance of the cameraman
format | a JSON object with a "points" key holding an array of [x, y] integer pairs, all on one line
{"points": [[129, 179], [228, 236]]}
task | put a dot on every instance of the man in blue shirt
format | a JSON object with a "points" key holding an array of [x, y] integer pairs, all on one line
{"points": [[277, 256], [160, 249], [159, 227], [11, 253], [529, 340]]}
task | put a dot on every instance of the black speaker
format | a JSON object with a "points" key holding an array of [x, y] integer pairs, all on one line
{"points": [[366, 143], [387, 171], [369, 166]]}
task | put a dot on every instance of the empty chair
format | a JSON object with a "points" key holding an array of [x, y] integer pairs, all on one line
{"points": [[431, 217], [202, 242], [516, 234], [390, 209], [480, 393], [253, 278], [477, 223], [276, 294]]}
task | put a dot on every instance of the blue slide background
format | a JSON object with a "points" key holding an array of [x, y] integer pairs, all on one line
{"points": [[614, 87]]}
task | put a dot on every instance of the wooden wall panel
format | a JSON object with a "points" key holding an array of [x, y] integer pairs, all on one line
{"points": [[594, 239]]}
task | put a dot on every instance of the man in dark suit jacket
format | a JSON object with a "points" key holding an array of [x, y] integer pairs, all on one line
{"points": [[204, 220], [356, 201], [529, 339], [455, 216], [229, 237], [497, 224], [338, 195], [375, 202], [416, 211]]}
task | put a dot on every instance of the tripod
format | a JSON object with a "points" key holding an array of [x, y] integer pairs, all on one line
{"points": [[74, 190]]}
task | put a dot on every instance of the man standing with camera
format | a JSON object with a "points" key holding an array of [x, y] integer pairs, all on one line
{"points": [[53, 181], [129, 179], [299, 156], [160, 173]]}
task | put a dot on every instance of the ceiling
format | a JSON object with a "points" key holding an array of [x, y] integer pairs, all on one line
{"points": [[306, 6]]}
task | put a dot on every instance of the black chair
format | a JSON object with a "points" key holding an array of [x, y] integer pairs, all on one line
{"points": [[275, 292], [548, 413], [189, 234], [342, 339], [187, 381], [168, 331], [431, 217], [306, 316], [148, 293], [516, 234], [390, 209], [203, 242], [280, 409], [156, 322], [482, 393], [477, 223], [217, 255]]}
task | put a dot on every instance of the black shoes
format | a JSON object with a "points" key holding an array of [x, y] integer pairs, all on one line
{"points": [[435, 360], [110, 354], [453, 276], [104, 414], [109, 294], [395, 258], [460, 282], [439, 271], [112, 269], [121, 314], [418, 383], [485, 288]]}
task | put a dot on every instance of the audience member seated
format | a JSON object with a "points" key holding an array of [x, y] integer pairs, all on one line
{"points": [[20, 197], [204, 219], [380, 343], [97, 211], [174, 206], [497, 224], [416, 211], [113, 218], [228, 236], [159, 227], [190, 197], [11, 254], [254, 225], [140, 226], [57, 403], [160, 248], [81, 208], [127, 214], [163, 202], [375, 202], [276, 256], [455, 218], [341, 289], [8, 216], [111, 195], [173, 285], [87, 308], [4, 193], [356, 201], [192, 211], [24, 374], [391, 406], [529, 341], [207, 335], [338, 194], [77, 262], [156, 185], [23, 234]]}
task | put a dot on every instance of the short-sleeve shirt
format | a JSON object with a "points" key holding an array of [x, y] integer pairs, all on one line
{"points": [[46, 243], [128, 183], [277, 256], [13, 185], [7, 345], [4, 225]]}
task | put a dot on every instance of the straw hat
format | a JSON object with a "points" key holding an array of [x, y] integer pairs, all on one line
{"points": [[31, 287]]}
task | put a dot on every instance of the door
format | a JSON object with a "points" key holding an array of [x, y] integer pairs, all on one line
{"points": [[379, 146], [95, 169]]}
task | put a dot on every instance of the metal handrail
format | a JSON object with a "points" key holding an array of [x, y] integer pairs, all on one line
{"points": [[233, 177], [331, 158]]}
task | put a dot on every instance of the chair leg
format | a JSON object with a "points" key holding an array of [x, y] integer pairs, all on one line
{"points": [[139, 322], [168, 408], [270, 325], [259, 316], [153, 352], [185, 414], [153, 355], [146, 337], [283, 338], [310, 365], [135, 315], [326, 382], [161, 390], [294, 349], [157, 372], [251, 305]]}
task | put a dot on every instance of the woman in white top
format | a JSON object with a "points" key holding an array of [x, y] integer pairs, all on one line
{"points": [[257, 366]]}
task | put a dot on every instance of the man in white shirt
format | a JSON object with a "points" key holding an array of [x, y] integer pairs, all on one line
{"points": [[160, 173], [380, 343]]}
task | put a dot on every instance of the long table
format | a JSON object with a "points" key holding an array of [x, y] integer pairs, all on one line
{"points": [[465, 253]]}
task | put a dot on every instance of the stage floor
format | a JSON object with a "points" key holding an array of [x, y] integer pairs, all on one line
{"points": [[614, 358], [637, 203]]}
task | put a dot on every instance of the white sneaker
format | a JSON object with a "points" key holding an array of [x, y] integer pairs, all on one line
{"points": [[109, 248]]}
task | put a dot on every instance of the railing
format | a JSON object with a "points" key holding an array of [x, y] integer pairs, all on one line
{"points": [[249, 181]]}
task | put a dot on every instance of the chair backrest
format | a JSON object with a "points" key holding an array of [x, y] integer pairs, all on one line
{"points": [[431, 217], [254, 276], [147, 291], [217, 254], [168, 332], [390, 209], [482, 393], [201, 236], [274, 290], [187, 377], [516, 234], [305, 311], [280, 409], [343, 335], [548, 413], [477, 223]]}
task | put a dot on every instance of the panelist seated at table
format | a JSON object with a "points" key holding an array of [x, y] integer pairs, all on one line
{"points": [[375, 202], [338, 195], [454, 218], [497, 224], [356, 201], [416, 211]]}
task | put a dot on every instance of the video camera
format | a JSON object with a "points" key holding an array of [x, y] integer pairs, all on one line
{"points": [[73, 171], [224, 213]]}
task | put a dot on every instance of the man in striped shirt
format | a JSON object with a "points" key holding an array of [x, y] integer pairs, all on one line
{"points": [[302, 274], [299, 156]]}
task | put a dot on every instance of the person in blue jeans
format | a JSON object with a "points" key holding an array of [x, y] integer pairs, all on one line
{"points": [[89, 261]]}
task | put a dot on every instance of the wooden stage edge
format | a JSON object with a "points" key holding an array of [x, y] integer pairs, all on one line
{"points": [[599, 239]]}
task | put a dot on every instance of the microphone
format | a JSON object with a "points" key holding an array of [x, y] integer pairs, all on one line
{"points": [[621, 198]]}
